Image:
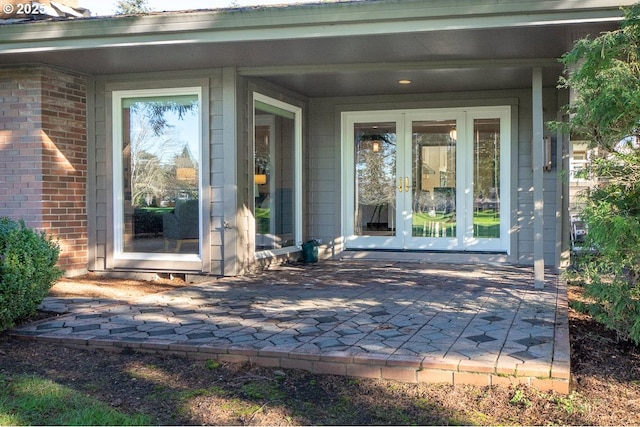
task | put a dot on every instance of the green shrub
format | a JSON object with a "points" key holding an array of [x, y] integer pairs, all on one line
{"points": [[27, 270], [612, 275], [149, 220]]}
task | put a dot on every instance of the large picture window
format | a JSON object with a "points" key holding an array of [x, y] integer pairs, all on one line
{"points": [[157, 140], [276, 175]]}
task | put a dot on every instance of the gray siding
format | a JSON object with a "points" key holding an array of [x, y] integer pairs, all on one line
{"points": [[100, 165], [325, 194], [525, 183]]}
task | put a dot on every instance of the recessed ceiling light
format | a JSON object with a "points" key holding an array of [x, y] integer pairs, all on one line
{"points": [[404, 82]]}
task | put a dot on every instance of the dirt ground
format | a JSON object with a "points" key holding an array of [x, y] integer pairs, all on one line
{"points": [[94, 286], [606, 383]]}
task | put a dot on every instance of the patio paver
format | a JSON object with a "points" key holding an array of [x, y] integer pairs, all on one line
{"points": [[401, 321]]}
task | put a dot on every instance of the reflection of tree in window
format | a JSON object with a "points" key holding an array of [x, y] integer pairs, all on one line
{"points": [[160, 170], [162, 167], [486, 186], [375, 164], [274, 178]]}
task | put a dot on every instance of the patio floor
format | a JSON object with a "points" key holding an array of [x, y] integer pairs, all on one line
{"points": [[481, 325]]}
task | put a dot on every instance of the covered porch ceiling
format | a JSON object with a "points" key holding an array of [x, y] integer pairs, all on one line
{"points": [[316, 63]]}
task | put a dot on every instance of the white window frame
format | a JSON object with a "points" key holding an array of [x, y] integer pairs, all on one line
{"points": [[297, 112], [118, 206]]}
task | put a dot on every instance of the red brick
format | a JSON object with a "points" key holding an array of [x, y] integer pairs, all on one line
{"points": [[471, 379], [371, 359], [440, 363], [305, 365], [42, 103], [305, 356], [233, 358], [399, 374], [435, 376], [273, 352], [548, 385], [338, 357], [561, 370], [477, 366], [155, 346], [271, 362], [405, 361], [505, 380], [533, 370], [330, 368], [364, 371], [245, 351], [200, 356]]}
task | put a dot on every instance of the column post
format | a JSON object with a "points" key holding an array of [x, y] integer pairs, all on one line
{"points": [[538, 178]]}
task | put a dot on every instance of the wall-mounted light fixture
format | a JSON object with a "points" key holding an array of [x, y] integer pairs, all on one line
{"points": [[547, 159]]}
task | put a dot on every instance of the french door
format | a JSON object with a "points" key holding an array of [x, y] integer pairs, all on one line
{"points": [[427, 179]]}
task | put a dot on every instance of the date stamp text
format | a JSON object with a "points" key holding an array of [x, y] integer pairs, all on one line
{"points": [[23, 9]]}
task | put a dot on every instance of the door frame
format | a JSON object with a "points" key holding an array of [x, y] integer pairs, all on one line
{"points": [[297, 171], [464, 163], [348, 120]]}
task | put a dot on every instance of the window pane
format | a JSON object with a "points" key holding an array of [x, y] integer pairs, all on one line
{"points": [[486, 180], [375, 166], [274, 177], [160, 159], [434, 178]]}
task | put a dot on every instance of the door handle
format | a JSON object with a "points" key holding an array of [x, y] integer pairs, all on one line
{"points": [[400, 185], [406, 183]]}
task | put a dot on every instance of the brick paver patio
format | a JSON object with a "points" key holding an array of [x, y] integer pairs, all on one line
{"points": [[457, 324]]}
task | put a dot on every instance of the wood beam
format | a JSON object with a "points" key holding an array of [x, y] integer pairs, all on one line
{"points": [[281, 70]]}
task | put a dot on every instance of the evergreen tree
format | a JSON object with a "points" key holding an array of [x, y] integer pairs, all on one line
{"points": [[132, 7], [604, 74]]}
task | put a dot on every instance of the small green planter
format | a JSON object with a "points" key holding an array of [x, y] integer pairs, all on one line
{"points": [[310, 252]]}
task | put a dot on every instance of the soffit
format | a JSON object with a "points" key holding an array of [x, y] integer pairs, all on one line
{"points": [[329, 55]]}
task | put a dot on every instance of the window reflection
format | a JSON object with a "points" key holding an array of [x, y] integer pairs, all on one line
{"points": [[160, 158], [486, 180], [375, 166], [274, 177], [434, 172]]}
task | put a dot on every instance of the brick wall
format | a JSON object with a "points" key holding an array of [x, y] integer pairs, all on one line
{"points": [[43, 162]]}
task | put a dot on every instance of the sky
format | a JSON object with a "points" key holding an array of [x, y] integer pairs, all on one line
{"points": [[108, 7]]}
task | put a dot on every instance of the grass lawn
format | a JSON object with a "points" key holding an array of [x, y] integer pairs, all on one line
{"points": [[438, 225], [486, 224], [33, 400], [263, 220]]}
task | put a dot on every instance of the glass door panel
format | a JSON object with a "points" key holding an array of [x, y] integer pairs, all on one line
{"points": [[434, 178], [486, 179], [428, 179], [274, 178], [375, 175]]}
